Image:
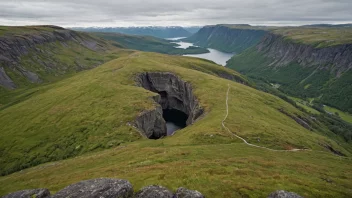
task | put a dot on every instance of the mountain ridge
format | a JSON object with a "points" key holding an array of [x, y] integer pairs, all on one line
{"points": [[156, 31]]}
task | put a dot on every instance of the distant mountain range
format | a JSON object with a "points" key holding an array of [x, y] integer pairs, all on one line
{"points": [[156, 31], [329, 25]]}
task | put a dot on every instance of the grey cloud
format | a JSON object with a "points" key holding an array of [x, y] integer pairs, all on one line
{"points": [[181, 12]]}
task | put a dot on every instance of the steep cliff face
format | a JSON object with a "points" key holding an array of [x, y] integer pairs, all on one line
{"points": [[174, 93], [336, 59], [300, 69], [152, 123], [226, 39], [32, 53]]}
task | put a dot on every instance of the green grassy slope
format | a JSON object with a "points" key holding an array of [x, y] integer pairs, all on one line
{"points": [[317, 36], [19, 30], [50, 129], [90, 112], [50, 56], [150, 44], [304, 82]]}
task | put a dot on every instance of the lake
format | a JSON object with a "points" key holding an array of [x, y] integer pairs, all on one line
{"points": [[214, 55], [171, 127]]}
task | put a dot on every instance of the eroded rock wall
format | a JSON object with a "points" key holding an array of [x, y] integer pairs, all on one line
{"points": [[337, 58]]}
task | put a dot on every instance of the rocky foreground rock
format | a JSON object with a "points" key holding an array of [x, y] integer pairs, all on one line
{"points": [[106, 188], [119, 188], [283, 194], [37, 193]]}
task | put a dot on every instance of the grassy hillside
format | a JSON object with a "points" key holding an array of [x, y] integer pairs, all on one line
{"points": [[42, 54], [94, 109], [304, 82], [150, 44], [317, 36]]}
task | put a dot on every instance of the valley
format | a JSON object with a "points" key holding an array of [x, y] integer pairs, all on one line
{"points": [[307, 62]]}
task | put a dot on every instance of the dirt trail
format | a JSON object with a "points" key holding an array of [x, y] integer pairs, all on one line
{"points": [[249, 144]]}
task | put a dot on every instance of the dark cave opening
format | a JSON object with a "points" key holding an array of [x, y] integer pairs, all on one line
{"points": [[174, 119], [176, 108]]}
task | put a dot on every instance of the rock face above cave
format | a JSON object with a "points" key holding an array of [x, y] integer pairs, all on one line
{"points": [[152, 123], [174, 93]]}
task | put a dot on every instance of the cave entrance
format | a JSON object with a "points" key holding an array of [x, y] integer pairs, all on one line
{"points": [[177, 106], [175, 120]]}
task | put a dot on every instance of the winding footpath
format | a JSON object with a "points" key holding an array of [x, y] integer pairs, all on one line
{"points": [[249, 144]]}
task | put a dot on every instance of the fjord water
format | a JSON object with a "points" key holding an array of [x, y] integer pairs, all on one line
{"points": [[214, 55]]}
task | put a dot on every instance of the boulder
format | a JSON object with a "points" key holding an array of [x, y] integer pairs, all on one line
{"points": [[154, 191], [37, 193], [284, 194], [185, 193], [97, 188]]}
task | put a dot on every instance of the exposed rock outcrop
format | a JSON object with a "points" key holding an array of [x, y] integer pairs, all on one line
{"points": [[185, 193], [5, 80], [331, 149], [284, 194], [154, 191], [104, 187], [174, 93], [298, 119], [37, 193]]}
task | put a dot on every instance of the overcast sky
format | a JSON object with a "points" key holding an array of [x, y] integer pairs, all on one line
{"points": [[69, 13]]}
